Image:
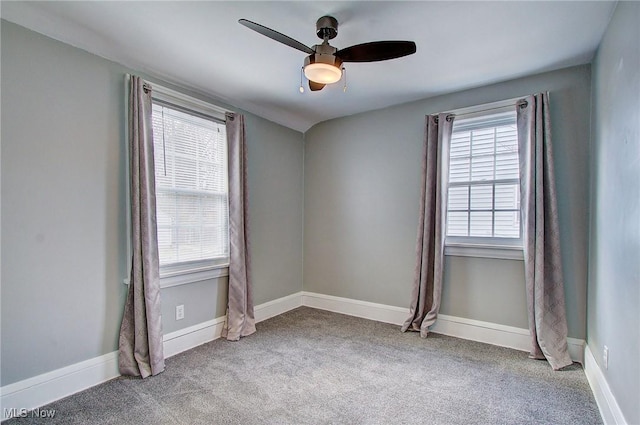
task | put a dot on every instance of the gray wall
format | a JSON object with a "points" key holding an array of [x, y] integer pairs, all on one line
{"points": [[362, 177], [275, 208], [614, 266], [63, 209]]}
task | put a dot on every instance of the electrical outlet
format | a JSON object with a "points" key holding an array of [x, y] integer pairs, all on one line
{"points": [[605, 357], [180, 312]]}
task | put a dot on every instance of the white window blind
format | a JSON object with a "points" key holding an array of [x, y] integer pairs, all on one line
{"points": [[190, 152], [484, 190]]}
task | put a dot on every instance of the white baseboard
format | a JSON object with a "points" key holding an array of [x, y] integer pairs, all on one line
{"points": [[276, 307], [43, 389], [51, 386], [187, 338], [366, 310], [576, 349], [475, 330], [609, 408], [497, 334]]}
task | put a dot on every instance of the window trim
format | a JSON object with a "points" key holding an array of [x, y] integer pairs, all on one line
{"points": [[466, 246], [200, 270], [502, 252], [167, 95], [177, 277]]}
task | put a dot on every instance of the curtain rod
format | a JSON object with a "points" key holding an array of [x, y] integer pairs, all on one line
{"points": [[521, 103]]}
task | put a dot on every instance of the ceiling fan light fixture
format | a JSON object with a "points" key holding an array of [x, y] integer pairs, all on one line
{"points": [[323, 73], [323, 67]]}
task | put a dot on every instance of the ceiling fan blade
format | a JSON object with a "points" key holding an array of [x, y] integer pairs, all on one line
{"points": [[275, 35], [376, 51], [316, 86]]}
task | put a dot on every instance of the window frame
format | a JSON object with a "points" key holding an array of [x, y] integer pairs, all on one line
{"points": [[195, 271], [198, 270], [485, 247]]}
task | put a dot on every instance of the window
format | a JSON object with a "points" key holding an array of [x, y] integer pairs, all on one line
{"points": [[483, 205], [190, 152]]}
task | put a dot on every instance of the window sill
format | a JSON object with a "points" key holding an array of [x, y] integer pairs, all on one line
{"points": [[192, 276], [485, 251], [182, 278]]}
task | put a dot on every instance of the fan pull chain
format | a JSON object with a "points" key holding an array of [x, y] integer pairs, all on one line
{"points": [[301, 79], [344, 72]]}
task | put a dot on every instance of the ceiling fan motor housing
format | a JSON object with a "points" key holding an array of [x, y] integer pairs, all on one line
{"points": [[324, 54], [327, 27]]}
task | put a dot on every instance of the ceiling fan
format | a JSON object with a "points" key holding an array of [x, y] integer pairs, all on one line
{"points": [[324, 64]]}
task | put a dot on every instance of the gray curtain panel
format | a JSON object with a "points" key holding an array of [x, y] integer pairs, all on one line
{"points": [[427, 284], [240, 319], [542, 260], [140, 345]]}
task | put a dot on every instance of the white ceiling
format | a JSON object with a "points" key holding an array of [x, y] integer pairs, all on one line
{"points": [[201, 45]]}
